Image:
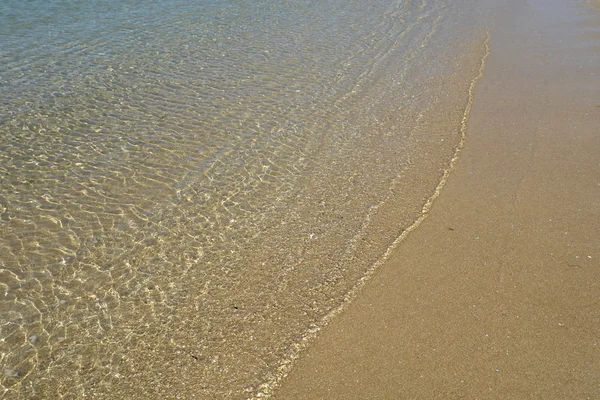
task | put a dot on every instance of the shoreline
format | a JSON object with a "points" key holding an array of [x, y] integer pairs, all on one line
{"points": [[312, 334], [486, 298], [222, 246]]}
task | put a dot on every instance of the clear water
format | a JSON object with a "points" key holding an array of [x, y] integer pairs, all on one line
{"points": [[188, 187]]}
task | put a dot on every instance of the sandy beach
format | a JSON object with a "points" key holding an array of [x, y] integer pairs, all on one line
{"points": [[335, 199], [495, 294]]}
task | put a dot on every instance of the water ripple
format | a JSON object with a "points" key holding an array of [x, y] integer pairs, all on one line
{"points": [[206, 180]]}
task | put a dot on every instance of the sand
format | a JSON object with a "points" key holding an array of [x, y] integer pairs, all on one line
{"points": [[496, 294]]}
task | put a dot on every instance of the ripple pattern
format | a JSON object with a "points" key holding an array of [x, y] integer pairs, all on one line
{"points": [[192, 187]]}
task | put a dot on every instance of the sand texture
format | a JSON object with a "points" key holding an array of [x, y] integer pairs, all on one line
{"points": [[496, 294]]}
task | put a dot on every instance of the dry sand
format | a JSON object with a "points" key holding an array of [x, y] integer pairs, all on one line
{"points": [[497, 293]]}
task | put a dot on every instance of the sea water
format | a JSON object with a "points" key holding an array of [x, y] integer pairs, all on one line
{"points": [[189, 188]]}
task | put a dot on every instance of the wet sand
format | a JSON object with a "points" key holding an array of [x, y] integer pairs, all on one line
{"points": [[495, 294]]}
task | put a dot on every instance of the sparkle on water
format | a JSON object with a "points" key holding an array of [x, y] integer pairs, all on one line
{"points": [[201, 182]]}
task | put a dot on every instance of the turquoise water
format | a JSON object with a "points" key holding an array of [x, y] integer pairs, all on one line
{"points": [[188, 187]]}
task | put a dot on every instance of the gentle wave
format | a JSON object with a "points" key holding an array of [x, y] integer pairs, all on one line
{"points": [[187, 189]]}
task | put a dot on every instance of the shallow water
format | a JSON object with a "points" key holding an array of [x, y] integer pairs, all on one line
{"points": [[188, 189]]}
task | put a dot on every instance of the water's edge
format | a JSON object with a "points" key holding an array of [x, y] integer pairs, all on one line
{"points": [[287, 364], [168, 231]]}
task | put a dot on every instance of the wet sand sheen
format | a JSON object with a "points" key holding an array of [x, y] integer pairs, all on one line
{"points": [[495, 294]]}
